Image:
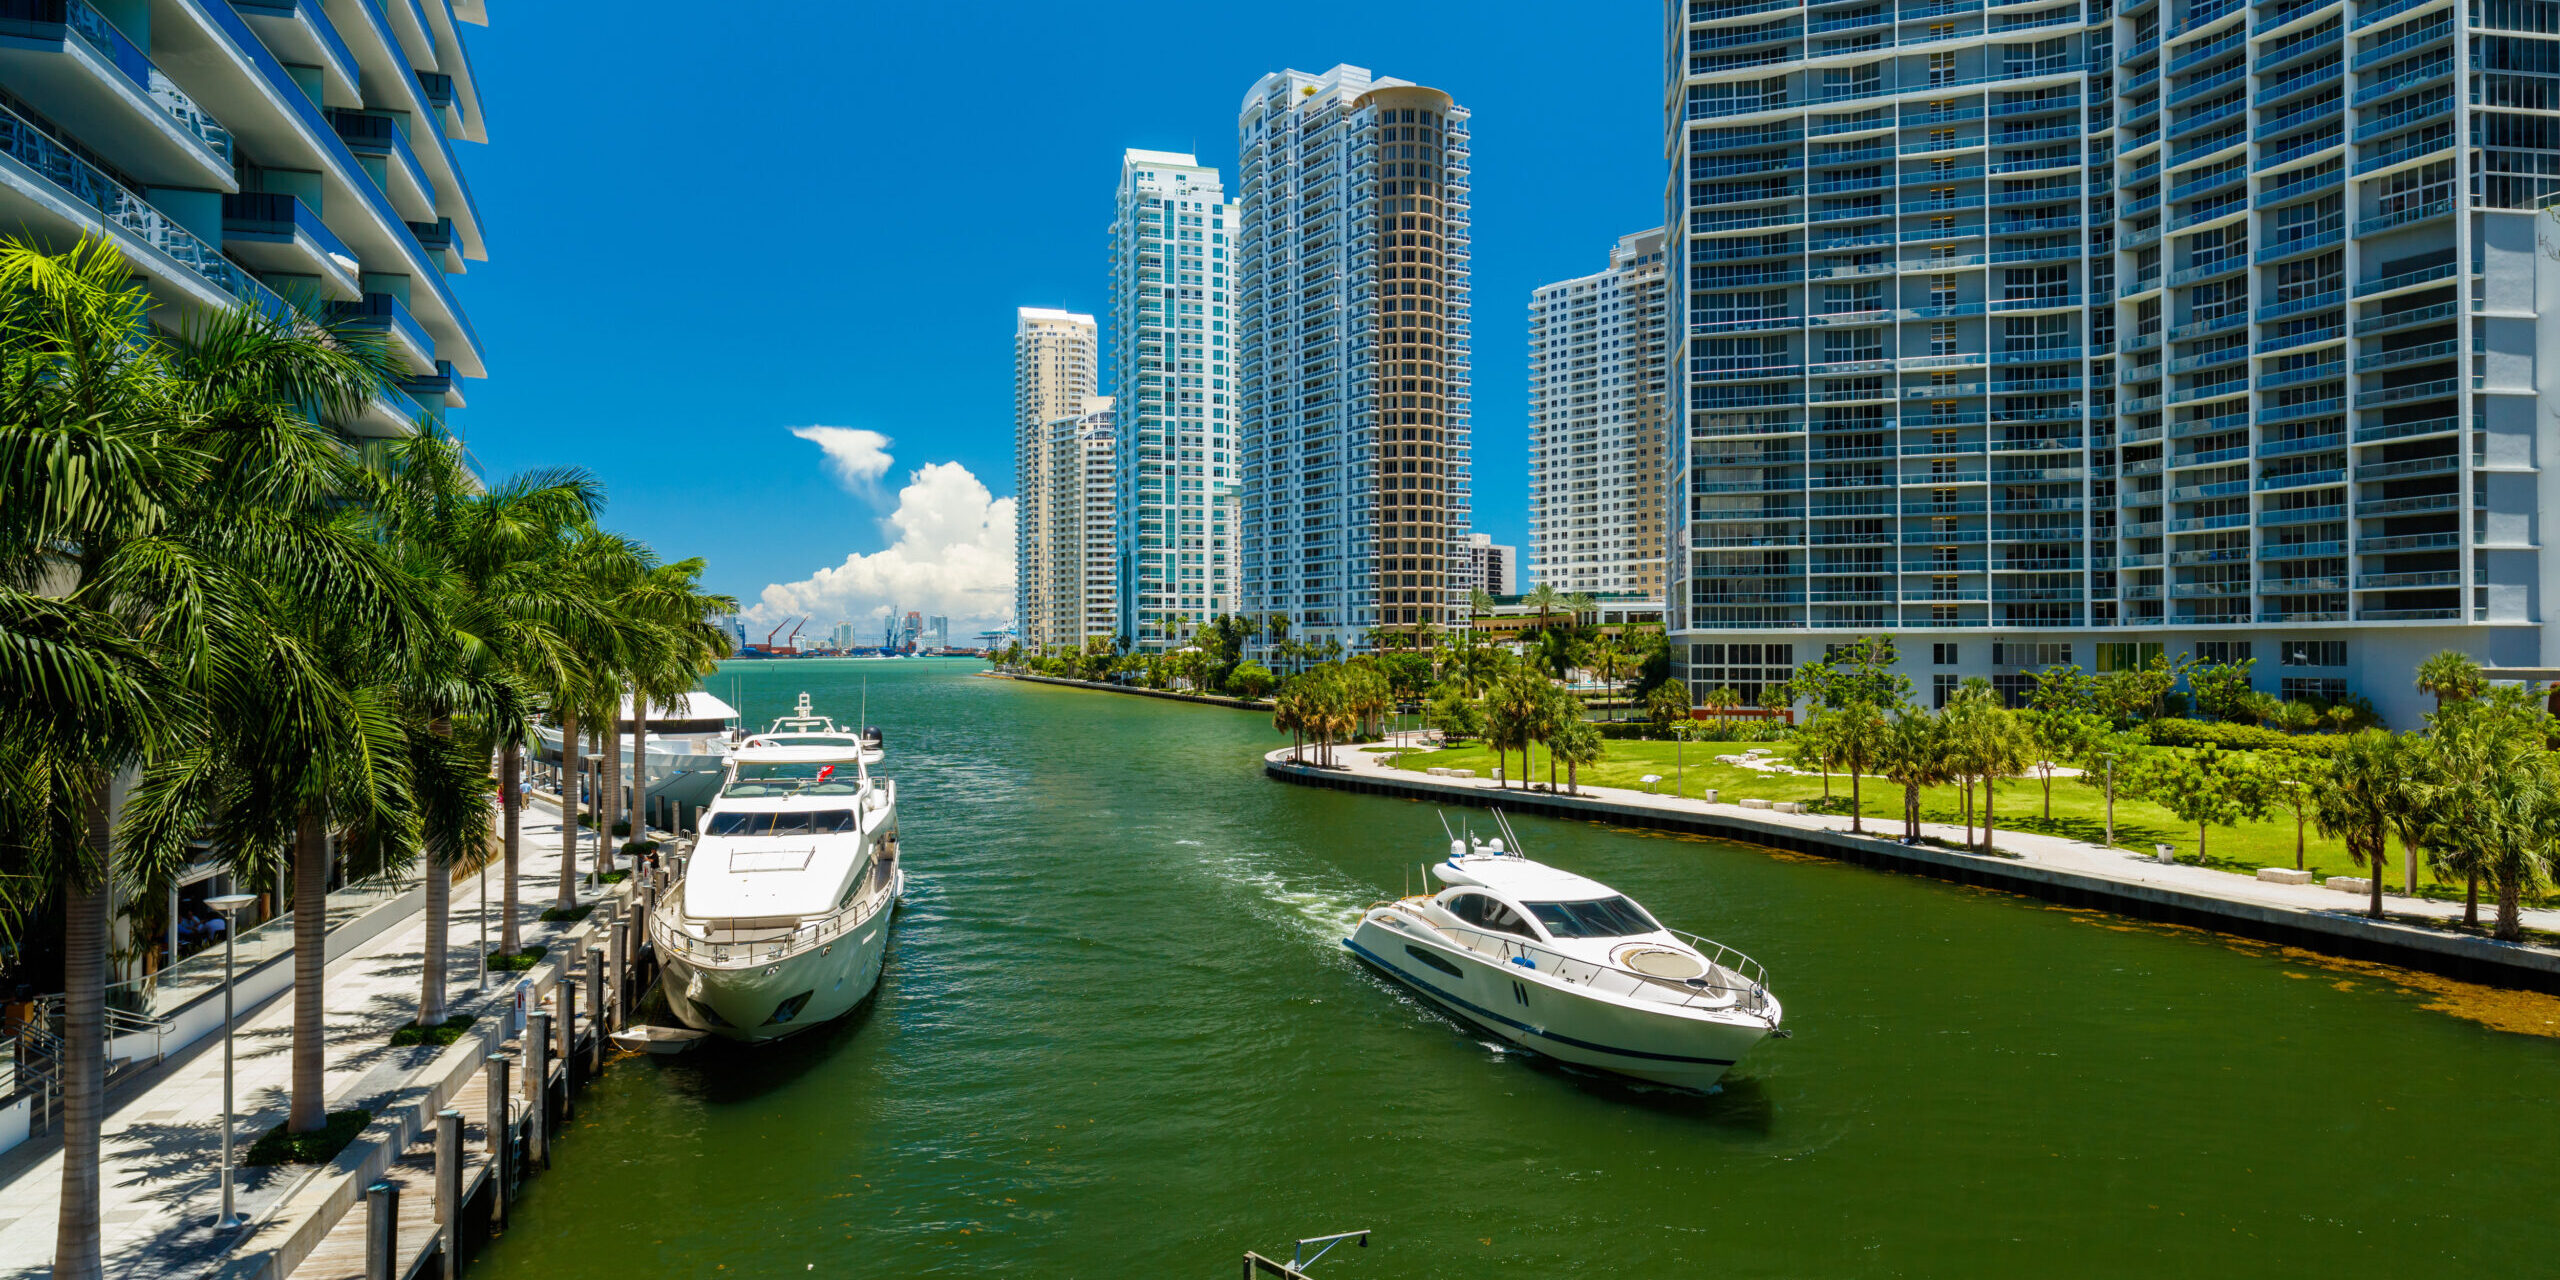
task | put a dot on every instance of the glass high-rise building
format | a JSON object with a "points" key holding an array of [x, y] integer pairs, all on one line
{"points": [[259, 154], [1353, 308], [1173, 253], [2077, 332]]}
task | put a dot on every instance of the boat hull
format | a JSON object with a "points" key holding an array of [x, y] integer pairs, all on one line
{"points": [[682, 770], [741, 1003], [1537, 1012]]}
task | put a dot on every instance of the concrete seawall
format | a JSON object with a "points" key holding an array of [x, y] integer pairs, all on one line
{"points": [[2342, 933], [1206, 700]]}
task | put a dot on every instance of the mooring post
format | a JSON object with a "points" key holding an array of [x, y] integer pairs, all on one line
{"points": [[595, 1017], [381, 1231], [449, 1191], [609, 1002], [537, 1091], [567, 992], [502, 1142]]}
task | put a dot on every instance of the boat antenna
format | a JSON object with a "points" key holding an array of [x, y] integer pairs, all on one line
{"points": [[1444, 824], [1510, 840], [866, 706]]}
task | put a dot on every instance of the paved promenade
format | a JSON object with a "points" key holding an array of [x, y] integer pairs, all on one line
{"points": [[160, 1149], [2028, 850]]}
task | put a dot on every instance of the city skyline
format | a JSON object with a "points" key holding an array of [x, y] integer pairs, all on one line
{"points": [[911, 352]]}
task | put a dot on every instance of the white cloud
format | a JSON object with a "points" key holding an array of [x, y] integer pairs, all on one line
{"points": [[857, 457], [950, 552]]}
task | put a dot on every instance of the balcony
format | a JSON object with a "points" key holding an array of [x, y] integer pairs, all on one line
{"points": [[390, 318], [384, 151], [299, 32], [279, 234], [155, 242], [66, 60]]}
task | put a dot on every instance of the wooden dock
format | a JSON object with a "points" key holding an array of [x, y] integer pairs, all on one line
{"points": [[440, 1173]]}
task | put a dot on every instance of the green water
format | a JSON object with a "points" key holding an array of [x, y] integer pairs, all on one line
{"points": [[1117, 1037]]}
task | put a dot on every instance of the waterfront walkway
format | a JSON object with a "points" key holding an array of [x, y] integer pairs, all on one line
{"points": [[161, 1142], [2420, 923]]}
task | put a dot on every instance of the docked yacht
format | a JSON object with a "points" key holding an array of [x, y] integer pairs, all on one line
{"points": [[1570, 968], [782, 915], [689, 743]]}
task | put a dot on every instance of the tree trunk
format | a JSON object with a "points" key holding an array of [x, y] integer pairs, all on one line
{"points": [[310, 1110], [639, 766], [609, 796], [1572, 778], [572, 775], [439, 936], [511, 788], [2297, 839], [2471, 899], [2048, 792], [1965, 785], [2200, 844], [2510, 920], [1857, 813], [84, 1043], [1990, 795], [2375, 908]]}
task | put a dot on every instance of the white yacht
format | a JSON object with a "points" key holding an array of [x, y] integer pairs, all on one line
{"points": [[1570, 968], [689, 740], [782, 914]]}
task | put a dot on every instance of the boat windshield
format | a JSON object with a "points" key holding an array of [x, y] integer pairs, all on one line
{"points": [[811, 779], [1599, 918], [807, 822]]}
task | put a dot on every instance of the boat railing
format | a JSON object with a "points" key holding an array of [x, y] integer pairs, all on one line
{"points": [[746, 948], [1732, 980]]}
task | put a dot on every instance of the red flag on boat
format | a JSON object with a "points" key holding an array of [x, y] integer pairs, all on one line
{"points": [[826, 772]]}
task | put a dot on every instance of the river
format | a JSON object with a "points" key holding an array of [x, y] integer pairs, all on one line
{"points": [[1118, 1037]]}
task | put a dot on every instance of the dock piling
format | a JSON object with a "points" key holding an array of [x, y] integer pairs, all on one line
{"points": [[595, 1017], [537, 1091], [501, 1066], [448, 1201], [381, 1231]]}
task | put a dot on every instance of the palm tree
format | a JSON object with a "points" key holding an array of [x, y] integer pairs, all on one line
{"points": [[1989, 744], [1544, 602], [1858, 732], [96, 458], [678, 646], [1511, 715], [1914, 752], [2355, 805], [1578, 743], [2451, 675]]}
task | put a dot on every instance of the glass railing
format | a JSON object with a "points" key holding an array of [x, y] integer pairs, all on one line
{"points": [[89, 185], [275, 213], [92, 28], [385, 312]]}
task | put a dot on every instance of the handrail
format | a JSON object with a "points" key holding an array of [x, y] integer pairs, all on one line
{"points": [[747, 953], [1691, 993]]}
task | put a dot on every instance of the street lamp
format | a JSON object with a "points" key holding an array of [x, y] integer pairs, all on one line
{"points": [[229, 904]]}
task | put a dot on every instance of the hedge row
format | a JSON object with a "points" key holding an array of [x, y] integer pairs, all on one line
{"points": [[2237, 737]]}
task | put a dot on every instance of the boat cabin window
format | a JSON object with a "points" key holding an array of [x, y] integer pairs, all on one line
{"points": [[1599, 918], [812, 822], [754, 780], [1490, 913]]}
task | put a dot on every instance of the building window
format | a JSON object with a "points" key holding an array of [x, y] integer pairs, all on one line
{"points": [[2314, 689], [1942, 687], [1942, 655], [2222, 652], [2314, 653]]}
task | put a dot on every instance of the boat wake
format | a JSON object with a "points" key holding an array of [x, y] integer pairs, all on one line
{"points": [[1323, 914]]}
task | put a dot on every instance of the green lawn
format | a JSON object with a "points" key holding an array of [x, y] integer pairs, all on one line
{"points": [[2079, 811]]}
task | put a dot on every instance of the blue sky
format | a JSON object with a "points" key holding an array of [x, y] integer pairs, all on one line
{"points": [[706, 229]]}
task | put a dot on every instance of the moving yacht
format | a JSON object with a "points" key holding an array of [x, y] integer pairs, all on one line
{"points": [[782, 915], [1570, 968]]}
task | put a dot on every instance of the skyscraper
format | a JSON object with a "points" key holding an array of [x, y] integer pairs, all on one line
{"points": [[1083, 588], [1353, 368], [1053, 376], [1598, 444], [1173, 235], [233, 171], [2059, 335]]}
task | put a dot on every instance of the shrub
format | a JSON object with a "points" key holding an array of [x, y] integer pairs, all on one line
{"points": [[622, 826], [443, 1033], [521, 962], [2236, 737], [639, 848], [320, 1146], [556, 915]]}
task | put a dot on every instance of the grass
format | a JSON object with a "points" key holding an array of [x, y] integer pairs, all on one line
{"points": [[520, 962], [443, 1033], [2079, 810], [566, 915], [320, 1146]]}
